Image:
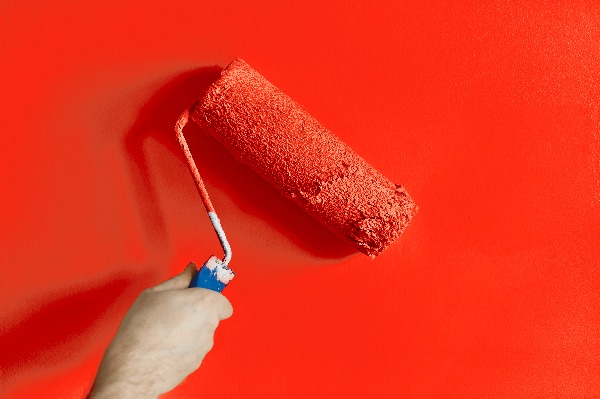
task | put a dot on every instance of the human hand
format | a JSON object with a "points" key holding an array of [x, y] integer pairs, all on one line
{"points": [[162, 339]]}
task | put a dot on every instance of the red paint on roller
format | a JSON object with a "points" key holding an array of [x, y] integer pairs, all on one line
{"points": [[265, 129]]}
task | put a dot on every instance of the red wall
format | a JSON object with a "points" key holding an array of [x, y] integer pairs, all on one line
{"points": [[487, 113]]}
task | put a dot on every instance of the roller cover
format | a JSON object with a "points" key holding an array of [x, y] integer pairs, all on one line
{"points": [[265, 129]]}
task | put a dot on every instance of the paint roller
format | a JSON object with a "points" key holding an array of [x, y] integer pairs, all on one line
{"points": [[278, 139]]}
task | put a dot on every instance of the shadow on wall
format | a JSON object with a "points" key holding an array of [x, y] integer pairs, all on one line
{"points": [[47, 336], [250, 193]]}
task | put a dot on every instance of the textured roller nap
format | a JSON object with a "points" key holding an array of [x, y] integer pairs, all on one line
{"points": [[265, 129]]}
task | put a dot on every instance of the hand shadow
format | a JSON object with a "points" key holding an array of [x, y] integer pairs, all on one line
{"points": [[249, 192]]}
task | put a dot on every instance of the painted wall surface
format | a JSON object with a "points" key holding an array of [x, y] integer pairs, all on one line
{"points": [[487, 112]]}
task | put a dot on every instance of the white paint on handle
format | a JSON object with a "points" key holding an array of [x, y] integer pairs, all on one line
{"points": [[224, 273], [222, 238]]}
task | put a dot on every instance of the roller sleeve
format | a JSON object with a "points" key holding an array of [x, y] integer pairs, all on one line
{"points": [[265, 129]]}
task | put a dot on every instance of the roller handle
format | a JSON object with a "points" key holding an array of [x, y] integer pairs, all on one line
{"points": [[207, 276]]}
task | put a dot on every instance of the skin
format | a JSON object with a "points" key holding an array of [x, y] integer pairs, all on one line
{"points": [[162, 339]]}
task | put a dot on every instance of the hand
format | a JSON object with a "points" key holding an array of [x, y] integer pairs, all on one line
{"points": [[162, 339]]}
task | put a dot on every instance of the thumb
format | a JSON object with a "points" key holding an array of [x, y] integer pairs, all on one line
{"points": [[182, 280]]}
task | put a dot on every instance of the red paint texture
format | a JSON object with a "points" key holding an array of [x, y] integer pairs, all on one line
{"points": [[487, 112], [265, 129]]}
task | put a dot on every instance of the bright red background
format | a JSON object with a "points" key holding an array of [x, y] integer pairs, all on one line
{"points": [[487, 113]]}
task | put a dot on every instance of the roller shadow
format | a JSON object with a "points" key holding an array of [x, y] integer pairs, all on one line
{"points": [[249, 192], [156, 120]]}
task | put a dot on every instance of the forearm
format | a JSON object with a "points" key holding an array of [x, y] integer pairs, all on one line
{"points": [[120, 389], [119, 380]]}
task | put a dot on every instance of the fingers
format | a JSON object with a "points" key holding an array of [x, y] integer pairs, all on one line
{"points": [[224, 308], [182, 280], [216, 302]]}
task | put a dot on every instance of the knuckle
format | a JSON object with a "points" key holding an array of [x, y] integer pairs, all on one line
{"points": [[210, 324], [209, 344]]}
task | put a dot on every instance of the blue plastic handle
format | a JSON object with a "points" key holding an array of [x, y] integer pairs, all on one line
{"points": [[207, 278]]}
